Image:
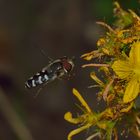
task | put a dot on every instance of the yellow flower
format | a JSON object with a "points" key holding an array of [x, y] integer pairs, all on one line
{"points": [[129, 70], [86, 120]]}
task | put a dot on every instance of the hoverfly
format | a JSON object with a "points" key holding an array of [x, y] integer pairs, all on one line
{"points": [[55, 70]]}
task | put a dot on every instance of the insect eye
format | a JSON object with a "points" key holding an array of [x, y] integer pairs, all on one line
{"points": [[67, 65]]}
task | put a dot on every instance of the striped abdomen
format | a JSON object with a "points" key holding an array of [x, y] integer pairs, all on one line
{"points": [[38, 79]]}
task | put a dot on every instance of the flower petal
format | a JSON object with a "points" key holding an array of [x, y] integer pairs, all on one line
{"points": [[78, 130], [80, 98], [96, 79], [134, 54], [122, 68], [68, 117], [132, 90]]}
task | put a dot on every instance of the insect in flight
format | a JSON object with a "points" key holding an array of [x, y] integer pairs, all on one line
{"points": [[55, 70]]}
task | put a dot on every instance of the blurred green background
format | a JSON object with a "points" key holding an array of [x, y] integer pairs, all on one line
{"points": [[30, 32]]}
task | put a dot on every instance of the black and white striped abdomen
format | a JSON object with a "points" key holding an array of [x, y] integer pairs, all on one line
{"points": [[37, 79]]}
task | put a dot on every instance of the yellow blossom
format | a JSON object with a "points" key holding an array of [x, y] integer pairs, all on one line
{"points": [[129, 70], [86, 120]]}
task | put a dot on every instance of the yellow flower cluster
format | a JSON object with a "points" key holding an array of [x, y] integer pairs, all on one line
{"points": [[86, 119], [89, 118], [119, 51]]}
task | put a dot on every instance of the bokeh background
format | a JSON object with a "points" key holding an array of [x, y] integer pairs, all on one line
{"points": [[30, 32]]}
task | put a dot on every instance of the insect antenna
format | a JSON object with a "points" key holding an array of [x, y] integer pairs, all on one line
{"points": [[44, 54]]}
